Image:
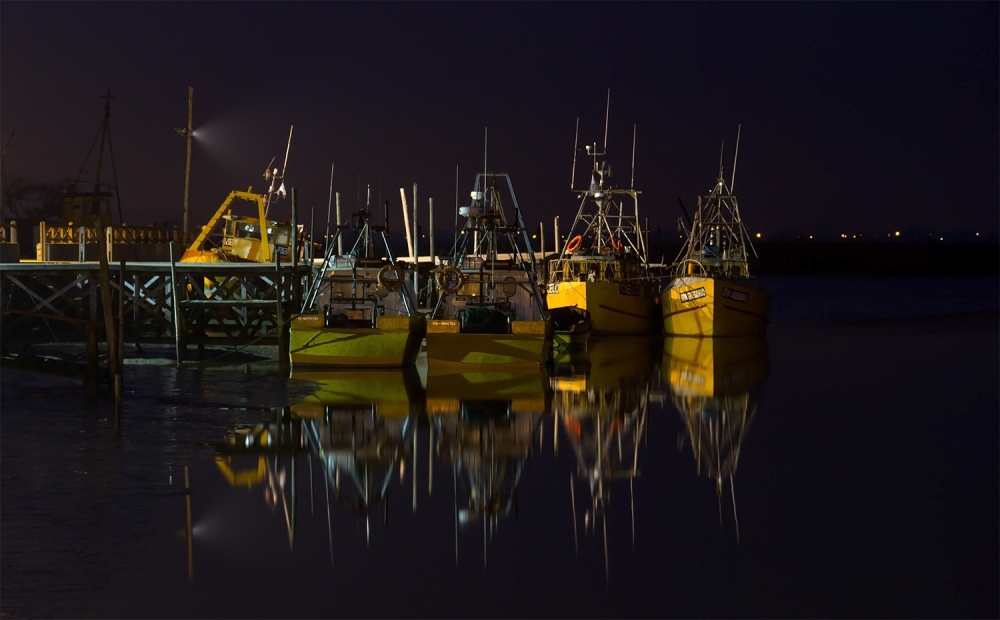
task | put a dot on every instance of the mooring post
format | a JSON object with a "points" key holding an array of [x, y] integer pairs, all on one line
{"points": [[295, 292], [175, 296], [283, 359], [120, 340], [110, 329]]}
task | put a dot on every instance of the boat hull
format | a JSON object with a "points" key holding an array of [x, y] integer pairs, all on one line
{"points": [[527, 346], [393, 343], [709, 307], [616, 308]]}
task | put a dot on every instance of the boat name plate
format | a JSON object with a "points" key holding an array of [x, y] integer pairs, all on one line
{"points": [[629, 288], [739, 296], [697, 293]]}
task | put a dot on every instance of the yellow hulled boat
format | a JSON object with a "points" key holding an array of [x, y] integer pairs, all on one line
{"points": [[362, 309], [603, 268], [247, 238], [489, 310], [711, 292]]}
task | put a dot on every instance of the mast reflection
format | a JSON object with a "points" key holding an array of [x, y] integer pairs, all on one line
{"points": [[485, 423], [602, 404], [715, 384]]}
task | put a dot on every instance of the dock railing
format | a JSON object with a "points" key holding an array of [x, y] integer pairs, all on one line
{"points": [[79, 243]]}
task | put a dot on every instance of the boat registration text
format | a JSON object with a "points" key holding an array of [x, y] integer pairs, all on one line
{"points": [[697, 293], [739, 296]]}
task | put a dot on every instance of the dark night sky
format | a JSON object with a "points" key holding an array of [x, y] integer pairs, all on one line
{"points": [[855, 116]]}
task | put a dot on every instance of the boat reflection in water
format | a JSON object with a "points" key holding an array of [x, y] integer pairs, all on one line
{"points": [[602, 406], [484, 424], [715, 384], [358, 424]]}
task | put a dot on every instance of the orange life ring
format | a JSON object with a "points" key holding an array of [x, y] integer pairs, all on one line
{"points": [[442, 279], [574, 243], [391, 284]]}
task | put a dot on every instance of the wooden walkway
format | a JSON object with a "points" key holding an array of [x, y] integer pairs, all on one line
{"points": [[234, 304]]}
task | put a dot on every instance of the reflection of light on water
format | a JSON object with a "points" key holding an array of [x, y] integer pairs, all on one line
{"points": [[210, 528]]}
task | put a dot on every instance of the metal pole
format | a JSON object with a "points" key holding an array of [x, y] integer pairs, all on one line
{"points": [[340, 241], [312, 227], [326, 239], [555, 234], [406, 222], [416, 247], [188, 133], [174, 295], [430, 232], [295, 232]]}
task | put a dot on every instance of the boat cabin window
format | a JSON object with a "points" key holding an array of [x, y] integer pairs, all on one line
{"points": [[245, 230]]}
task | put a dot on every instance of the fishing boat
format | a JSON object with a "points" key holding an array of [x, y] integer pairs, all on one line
{"points": [[361, 309], [489, 310], [252, 238], [603, 268], [711, 291]]}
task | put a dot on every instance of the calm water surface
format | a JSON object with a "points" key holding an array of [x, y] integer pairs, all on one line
{"points": [[846, 466]]}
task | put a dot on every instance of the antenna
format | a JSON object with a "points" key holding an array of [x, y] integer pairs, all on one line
{"points": [[576, 137], [288, 148], [632, 182], [607, 112], [732, 179]]}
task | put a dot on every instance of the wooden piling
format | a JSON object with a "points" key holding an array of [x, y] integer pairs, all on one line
{"points": [[111, 330], [283, 335], [178, 320], [121, 343]]}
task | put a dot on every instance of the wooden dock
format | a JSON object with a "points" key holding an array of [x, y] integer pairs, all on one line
{"points": [[186, 304]]}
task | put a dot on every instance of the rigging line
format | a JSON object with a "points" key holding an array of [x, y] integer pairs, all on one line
{"points": [[114, 175]]}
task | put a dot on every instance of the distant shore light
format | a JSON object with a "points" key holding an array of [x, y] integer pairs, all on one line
{"points": [[758, 235], [897, 233]]}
